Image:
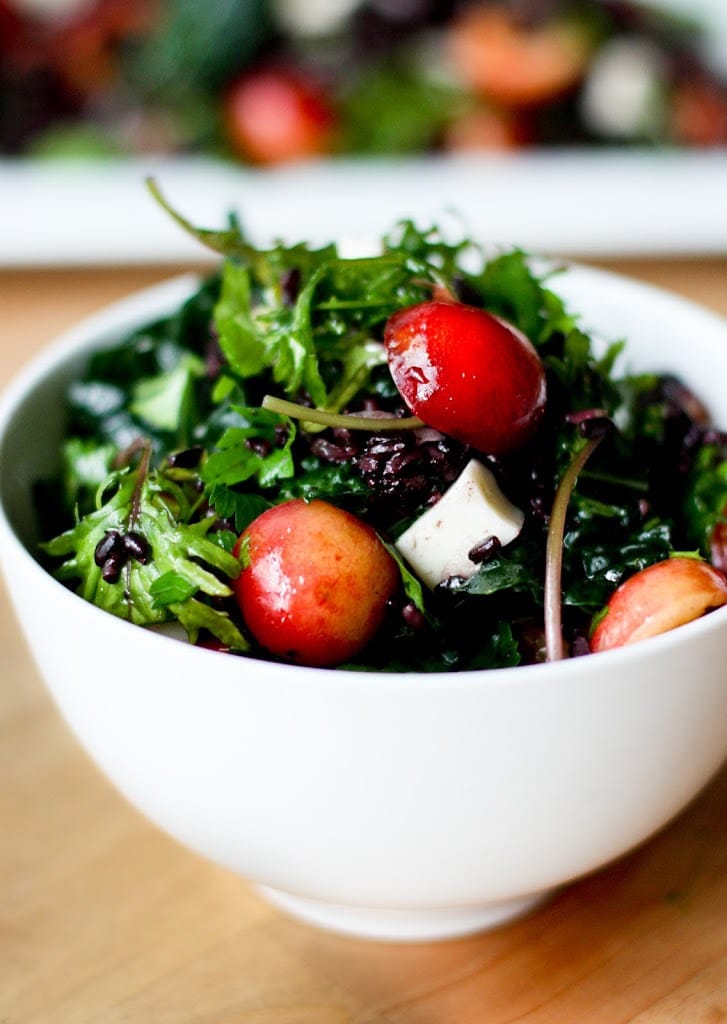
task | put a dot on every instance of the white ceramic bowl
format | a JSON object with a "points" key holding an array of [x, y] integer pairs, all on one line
{"points": [[392, 806]]}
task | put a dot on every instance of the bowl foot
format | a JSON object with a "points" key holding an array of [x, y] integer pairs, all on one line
{"points": [[390, 925]]}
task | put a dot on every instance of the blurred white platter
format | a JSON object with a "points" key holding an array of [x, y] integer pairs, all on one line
{"points": [[587, 203]]}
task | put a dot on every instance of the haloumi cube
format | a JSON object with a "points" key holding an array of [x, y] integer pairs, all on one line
{"points": [[438, 543]]}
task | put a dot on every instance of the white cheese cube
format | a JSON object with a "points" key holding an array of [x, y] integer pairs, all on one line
{"points": [[438, 543]]}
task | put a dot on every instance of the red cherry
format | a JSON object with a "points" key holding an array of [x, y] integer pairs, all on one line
{"points": [[315, 583], [659, 598], [467, 373], [273, 116]]}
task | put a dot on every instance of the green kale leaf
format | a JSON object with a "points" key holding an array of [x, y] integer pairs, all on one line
{"points": [[705, 499]]}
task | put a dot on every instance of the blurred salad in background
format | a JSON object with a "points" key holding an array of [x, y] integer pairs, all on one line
{"points": [[270, 81]]}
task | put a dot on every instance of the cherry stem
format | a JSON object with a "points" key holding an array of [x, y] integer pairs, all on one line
{"points": [[333, 419], [554, 648]]}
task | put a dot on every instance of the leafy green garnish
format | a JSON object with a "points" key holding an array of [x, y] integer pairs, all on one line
{"points": [[171, 588], [180, 552], [250, 449]]}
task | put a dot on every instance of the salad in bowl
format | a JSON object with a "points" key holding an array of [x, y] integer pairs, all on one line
{"points": [[412, 460], [411, 508]]}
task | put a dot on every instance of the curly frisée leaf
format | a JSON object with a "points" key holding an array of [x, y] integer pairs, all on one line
{"points": [[151, 501]]}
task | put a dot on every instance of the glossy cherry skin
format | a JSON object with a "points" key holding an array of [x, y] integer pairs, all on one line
{"points": [[315, 582], [467, 373], [659, 598], [274, 116]]}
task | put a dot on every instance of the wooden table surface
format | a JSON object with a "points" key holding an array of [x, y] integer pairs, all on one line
{"points": [[104, 919]]}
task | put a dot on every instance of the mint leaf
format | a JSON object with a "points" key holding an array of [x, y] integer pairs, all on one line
{"points": [[242, 508], [171, 588], [251, 449]]}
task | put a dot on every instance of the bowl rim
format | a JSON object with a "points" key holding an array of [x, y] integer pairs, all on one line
{"points": [[142, 306]]}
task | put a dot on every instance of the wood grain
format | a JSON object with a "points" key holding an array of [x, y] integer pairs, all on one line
{"points": [[105, 919]]}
